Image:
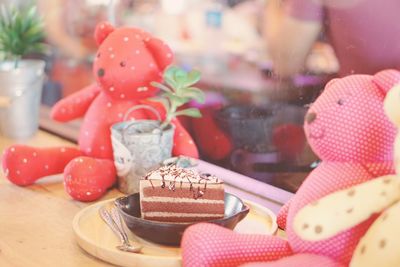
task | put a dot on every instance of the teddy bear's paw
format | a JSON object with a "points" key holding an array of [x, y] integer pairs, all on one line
{"points": [[87, 179], [206, 244], [23, 165], [299, 260]]}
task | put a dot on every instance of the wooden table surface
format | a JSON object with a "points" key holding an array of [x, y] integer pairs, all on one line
{"points": [[35, 221]]}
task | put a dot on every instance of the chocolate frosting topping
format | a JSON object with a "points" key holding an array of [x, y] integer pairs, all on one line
{"points": [[170, 174]]}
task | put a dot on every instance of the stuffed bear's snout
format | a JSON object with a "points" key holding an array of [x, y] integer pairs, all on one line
{"points": [[100, 72], [312, 116]]}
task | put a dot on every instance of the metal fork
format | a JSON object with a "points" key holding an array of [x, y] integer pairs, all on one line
{"points": [[113, 220]]}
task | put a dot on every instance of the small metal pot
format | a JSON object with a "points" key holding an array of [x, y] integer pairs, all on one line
{"points": [[20, 94], [139, 147]]}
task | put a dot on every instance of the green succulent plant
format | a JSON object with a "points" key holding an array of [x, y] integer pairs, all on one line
{"points": [[21, 32], [177, 90]]}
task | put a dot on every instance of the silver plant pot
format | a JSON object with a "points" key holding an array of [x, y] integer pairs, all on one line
{"points": [[139, 147], [20, 94]]}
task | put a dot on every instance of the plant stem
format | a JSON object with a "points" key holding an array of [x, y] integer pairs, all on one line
{"points": [[169, 114], [166, 121]]}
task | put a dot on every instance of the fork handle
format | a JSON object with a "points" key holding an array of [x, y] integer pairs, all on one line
{"points": [[105, 215], [117, 219]]}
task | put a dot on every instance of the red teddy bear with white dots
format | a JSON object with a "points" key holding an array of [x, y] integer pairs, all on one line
{"points": [[127, 60], [348, 129]]}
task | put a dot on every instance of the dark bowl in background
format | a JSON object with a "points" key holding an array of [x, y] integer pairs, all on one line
{"points": [[171, 233], [249, 126]]}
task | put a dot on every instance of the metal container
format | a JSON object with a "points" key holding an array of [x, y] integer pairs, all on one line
{"points": [[20, 94], [139, 147]]}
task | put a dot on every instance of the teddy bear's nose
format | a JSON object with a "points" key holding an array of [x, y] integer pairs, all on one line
{"points": [[311, 117], [100, 72]]}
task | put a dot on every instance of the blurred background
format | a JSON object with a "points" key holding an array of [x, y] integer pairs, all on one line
{"points": [[259, 111]]}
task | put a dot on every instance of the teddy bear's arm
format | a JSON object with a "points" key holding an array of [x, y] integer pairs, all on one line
{"points": [[380, 245], [183, 142], [211, 139], [75, 105], [346, 208], [282, 215]]}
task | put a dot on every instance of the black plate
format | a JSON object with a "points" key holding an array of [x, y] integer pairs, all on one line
{"points": [[171, 233]]}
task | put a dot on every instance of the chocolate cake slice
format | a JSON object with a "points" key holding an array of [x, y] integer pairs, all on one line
{"points": [[178, 195]]}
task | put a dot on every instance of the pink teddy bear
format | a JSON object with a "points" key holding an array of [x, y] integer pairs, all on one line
{"points": [[127, 60], [348, 129]]}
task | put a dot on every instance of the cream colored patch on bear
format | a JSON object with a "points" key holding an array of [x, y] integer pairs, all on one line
{"points": [[380, 245], [346, 208]]}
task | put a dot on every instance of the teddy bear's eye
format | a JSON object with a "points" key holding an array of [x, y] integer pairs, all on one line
{"points": [[98, 55], [122, 64], [340, 102]]}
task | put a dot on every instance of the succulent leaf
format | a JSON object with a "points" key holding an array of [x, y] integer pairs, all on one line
{"points": [[191, 112], [195, 94], [178, 91], [161, 86], [192, 78]]}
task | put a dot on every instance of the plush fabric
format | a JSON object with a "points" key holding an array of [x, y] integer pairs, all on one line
{"points": [[341, 210], [213, 142], [347, 128], [298, 260], [127, 60]]}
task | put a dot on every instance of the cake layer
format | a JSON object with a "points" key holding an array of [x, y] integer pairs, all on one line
{"points": [[209, 193], [183, 207], [180, 217]]}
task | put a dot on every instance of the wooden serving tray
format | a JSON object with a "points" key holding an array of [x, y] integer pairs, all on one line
{"points": [[94, 236]]}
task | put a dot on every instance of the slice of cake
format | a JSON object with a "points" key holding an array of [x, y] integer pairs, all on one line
{"points": [[174, 194]]}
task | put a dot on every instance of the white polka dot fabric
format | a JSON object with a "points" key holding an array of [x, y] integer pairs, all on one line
{"points": [[299, 260], [207, 244], [349, 131], [127, 60]]}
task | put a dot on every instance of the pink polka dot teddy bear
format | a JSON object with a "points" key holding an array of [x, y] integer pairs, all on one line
{"points": [[348, 129], [341, 210], [127, 61]]}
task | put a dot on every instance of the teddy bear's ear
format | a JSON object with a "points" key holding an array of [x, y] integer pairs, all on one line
{"points": [[161, 52], [386, 79], [103, 29]]}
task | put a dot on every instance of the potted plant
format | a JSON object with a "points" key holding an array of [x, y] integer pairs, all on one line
{"points": [[142, 145], [21, 80]]}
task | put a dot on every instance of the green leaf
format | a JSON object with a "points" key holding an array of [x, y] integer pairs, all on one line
{"points": [[169, 72], [192, 78], [176, 101], [191, 112], [194, 93], [21, 31], [171, 83], [177, 91], [161, 86], [180, 77]]}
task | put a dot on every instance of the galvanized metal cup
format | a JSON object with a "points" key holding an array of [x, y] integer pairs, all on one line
{"points": [[139, 147], [20, 94]]}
